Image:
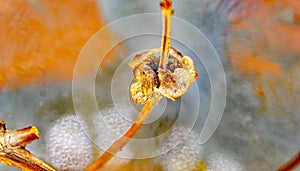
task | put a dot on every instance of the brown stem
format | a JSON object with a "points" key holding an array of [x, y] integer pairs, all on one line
{"points": [[120, 143], [167, 10], [292, 164]]}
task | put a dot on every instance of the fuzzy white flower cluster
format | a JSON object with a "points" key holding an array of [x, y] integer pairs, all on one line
{"points": [[185, 155], [222, 162], [70, 149], [67, 145], [110, 124]]}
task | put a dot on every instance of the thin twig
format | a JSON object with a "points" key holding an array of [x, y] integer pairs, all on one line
{"points": [[167, 10], [291, 164], [13, 152]]}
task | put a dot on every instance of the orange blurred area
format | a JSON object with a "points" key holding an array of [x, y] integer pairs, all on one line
{"points": [[270, 32], [256, 65], [41, 39], [263, 43]]}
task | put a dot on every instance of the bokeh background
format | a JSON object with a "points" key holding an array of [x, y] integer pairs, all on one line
{"points": [[258, 44]]}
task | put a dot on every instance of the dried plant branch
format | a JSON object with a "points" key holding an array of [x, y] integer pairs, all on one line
{"points": [[13, 152]]}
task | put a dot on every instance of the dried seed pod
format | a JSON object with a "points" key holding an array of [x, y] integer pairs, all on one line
{"points": [[172, 81]]}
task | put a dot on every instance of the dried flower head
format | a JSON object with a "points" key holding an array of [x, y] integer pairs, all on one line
{"points": [[172, 81]]}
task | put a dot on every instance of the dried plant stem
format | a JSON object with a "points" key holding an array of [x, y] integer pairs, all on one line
{"points": [[13, 152], [167, 10], [120, 143], [292, 164]]}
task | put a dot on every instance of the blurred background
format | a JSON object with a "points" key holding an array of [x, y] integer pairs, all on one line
{"points": [[256, 40]]}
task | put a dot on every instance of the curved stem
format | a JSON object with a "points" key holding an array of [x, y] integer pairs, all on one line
{"points": [[292, 164], [167, 10], [121, 142]]}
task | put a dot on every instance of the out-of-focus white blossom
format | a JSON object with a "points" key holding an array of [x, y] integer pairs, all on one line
{"points": [[222, 162], [185, 155], [67, 145]]}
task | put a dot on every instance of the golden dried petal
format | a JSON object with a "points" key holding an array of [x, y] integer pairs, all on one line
{"points": [[136, 94]]}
